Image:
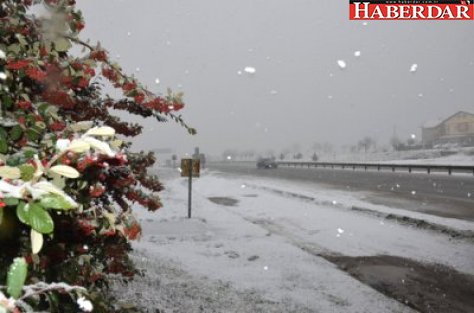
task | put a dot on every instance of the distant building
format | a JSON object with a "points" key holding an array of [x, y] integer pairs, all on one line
{"points": [[456, 129]]}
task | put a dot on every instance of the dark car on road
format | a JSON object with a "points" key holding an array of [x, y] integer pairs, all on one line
{"points": [[266, 163]]}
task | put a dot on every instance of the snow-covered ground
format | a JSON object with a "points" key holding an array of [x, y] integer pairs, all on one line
{"points": [[462, 156], [262, 254]]}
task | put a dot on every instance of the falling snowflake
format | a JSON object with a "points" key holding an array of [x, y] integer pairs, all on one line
{"points": [[137, 69], [157, 81], [3, 76], [413, 68], [243, 186], [2, 54], [413, 192], [273, 92], [365, 23], [357, 53], [239, 72], [129, 33], [342, 64], [334, 202], [340, 231], [250, 70], [265, 268]]}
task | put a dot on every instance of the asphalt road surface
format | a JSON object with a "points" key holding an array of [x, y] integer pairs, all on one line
{"points": [[437, 194]]}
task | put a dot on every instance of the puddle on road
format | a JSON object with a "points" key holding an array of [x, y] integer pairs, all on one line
{"points": [[226, 201], [250, 195], [428, 288]]}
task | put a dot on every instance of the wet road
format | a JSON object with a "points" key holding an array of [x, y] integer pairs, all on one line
{"points": [[437, 194]]}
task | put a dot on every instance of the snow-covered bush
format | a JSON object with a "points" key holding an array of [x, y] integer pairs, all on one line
{"points": [[67, 175]]}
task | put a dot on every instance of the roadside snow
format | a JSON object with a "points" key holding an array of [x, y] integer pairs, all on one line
{"points": [[268, 245], [348, 200], [462, 156]]}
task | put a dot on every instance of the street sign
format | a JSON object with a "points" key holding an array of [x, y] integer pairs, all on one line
{"points": [[190, 167]]}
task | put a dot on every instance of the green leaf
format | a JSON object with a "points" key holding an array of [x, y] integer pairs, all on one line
{"points": [[32, 134], [15, 48], [39, 219], [42, 108], [7, 102], [29, 154], [16, 277], [62, 45], [13, 161], [35, 216], [16, 132], [27, 171], [22, 213], [3, 146], [57, 202], [11, 201], [21, 39], [3, 133]]}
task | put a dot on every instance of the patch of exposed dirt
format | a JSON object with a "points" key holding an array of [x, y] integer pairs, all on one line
{"points": [[428, 288], [226, 201]]}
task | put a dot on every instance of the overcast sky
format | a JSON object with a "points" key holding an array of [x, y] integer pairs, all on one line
{"points": [[299, 94]]}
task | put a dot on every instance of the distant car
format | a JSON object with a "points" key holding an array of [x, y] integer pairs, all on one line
{"points": [[266, 163]]}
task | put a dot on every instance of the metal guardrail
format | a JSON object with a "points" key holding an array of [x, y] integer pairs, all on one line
{"points": [[450, 169]]}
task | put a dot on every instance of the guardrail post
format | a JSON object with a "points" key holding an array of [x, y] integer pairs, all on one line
{"points": [[393, 168], [409, 170], [378, 168], [450, 170], [428, 170]]}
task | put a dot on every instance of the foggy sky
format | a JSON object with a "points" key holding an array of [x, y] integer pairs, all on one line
{"points": [[199, 46]]}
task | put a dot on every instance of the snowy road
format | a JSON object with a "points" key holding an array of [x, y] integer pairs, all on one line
{"points": [[438, 194], [249, 249]]}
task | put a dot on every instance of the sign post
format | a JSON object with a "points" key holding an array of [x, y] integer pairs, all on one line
{"points": [[190, 168]]}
